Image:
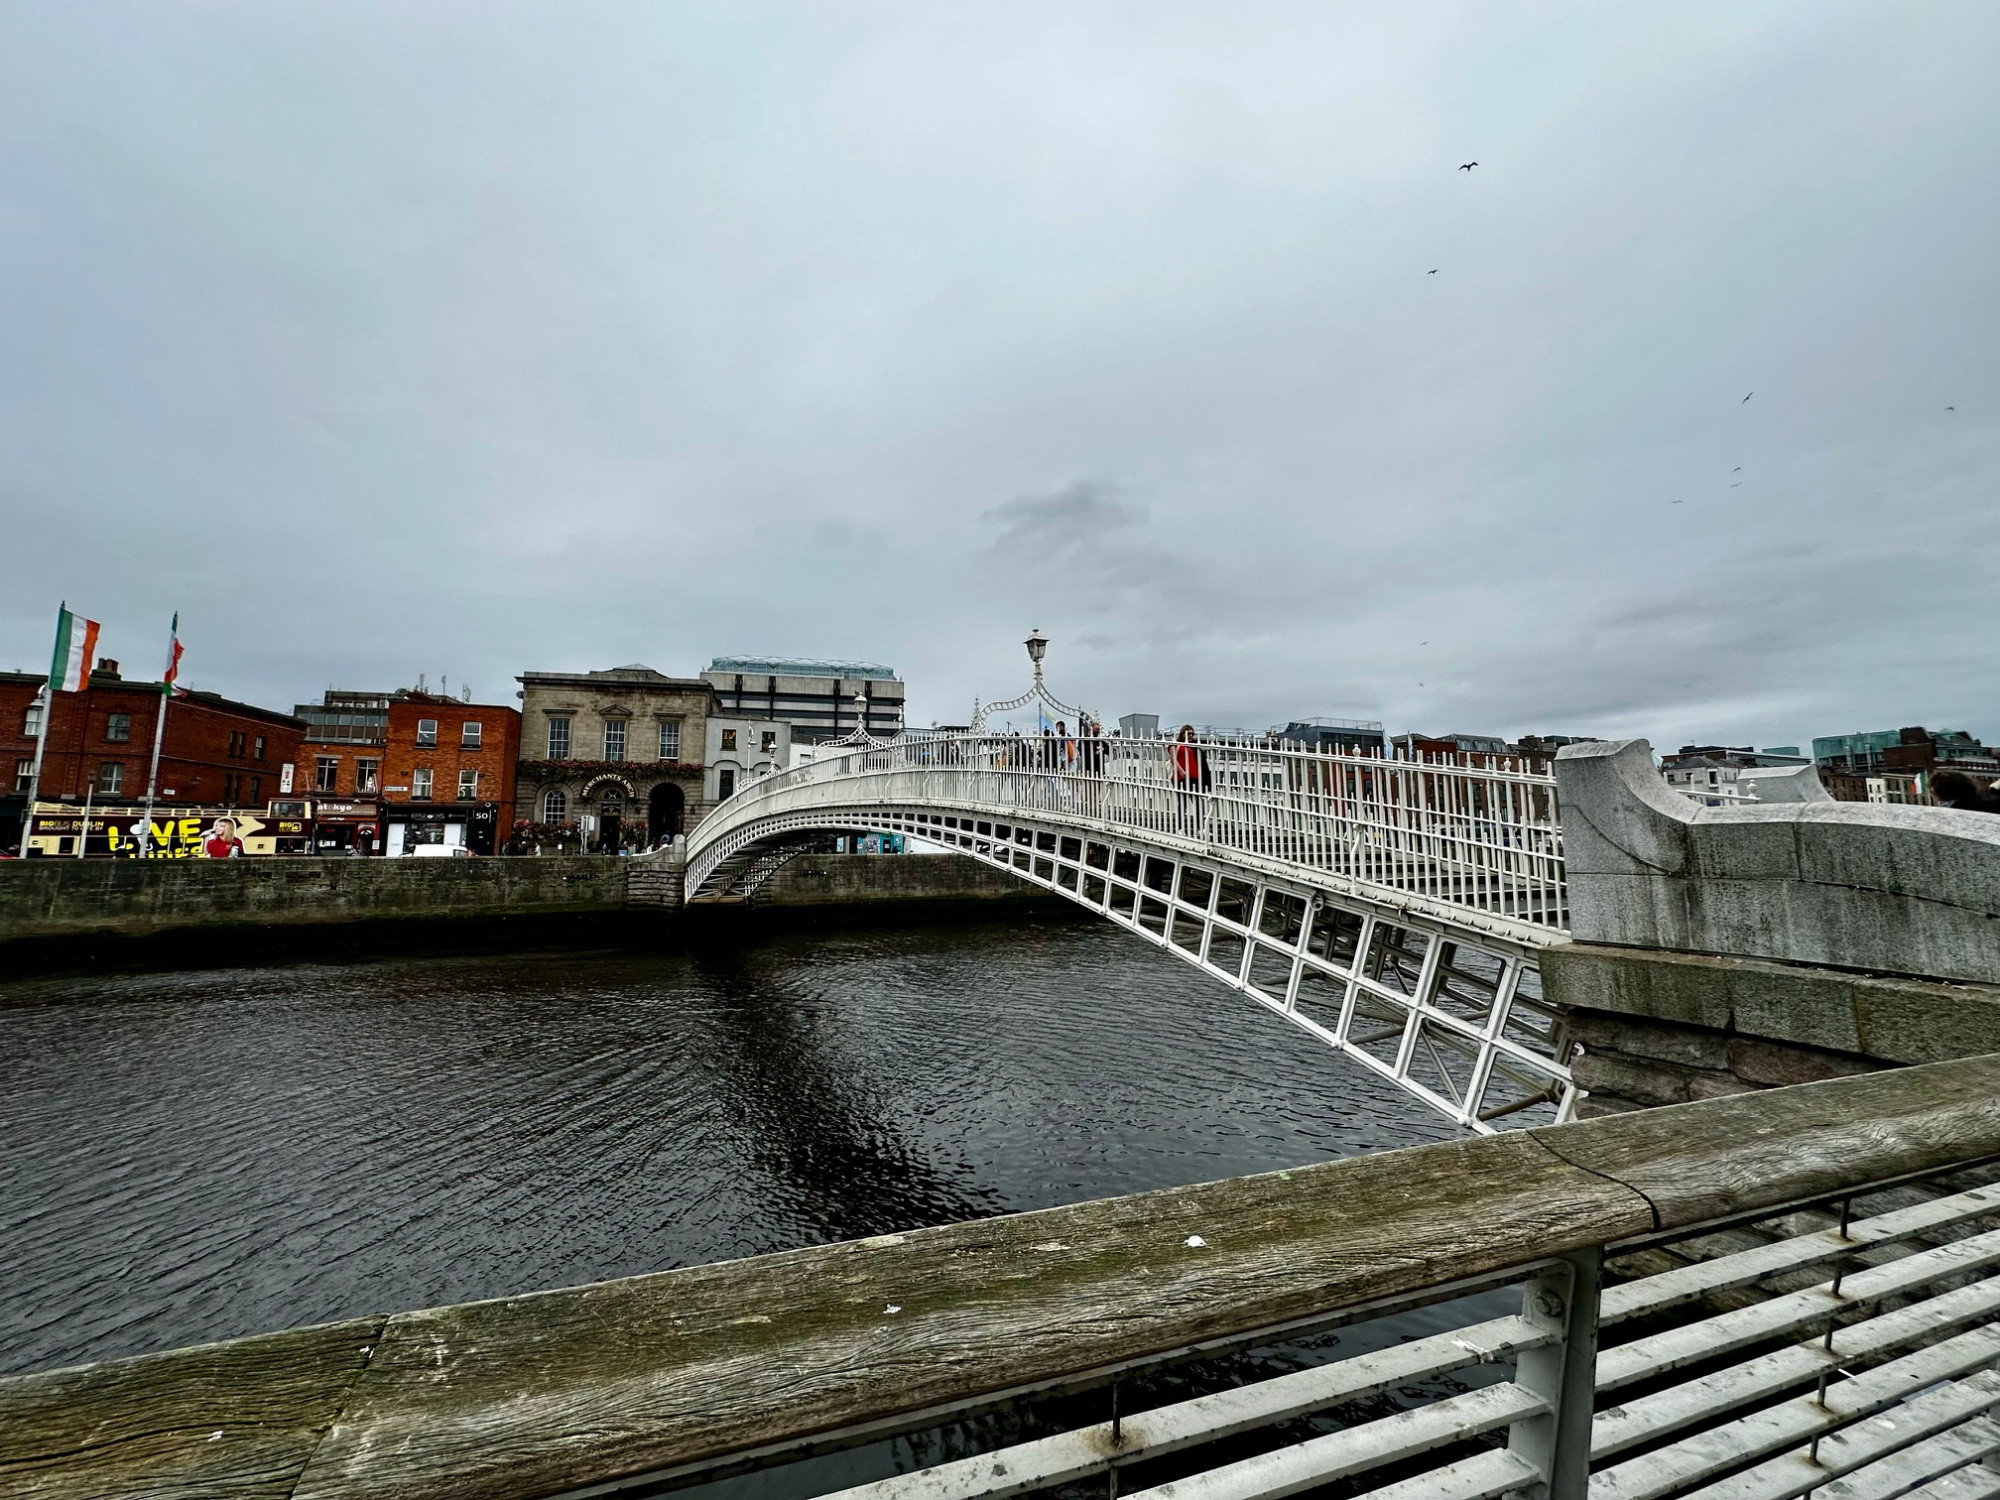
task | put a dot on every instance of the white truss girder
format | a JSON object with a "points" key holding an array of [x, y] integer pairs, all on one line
{"points": [[1438, 995]]}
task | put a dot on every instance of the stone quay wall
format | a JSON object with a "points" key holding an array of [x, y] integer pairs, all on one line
{"points": [[58, 898], [55, 900], [1719, 950]]}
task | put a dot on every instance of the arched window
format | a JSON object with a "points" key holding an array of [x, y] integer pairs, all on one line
{"points": [[555, 806]]}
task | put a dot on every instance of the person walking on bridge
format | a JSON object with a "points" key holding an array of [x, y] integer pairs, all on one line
{"points": [[1190, 770], [1090, 763]]}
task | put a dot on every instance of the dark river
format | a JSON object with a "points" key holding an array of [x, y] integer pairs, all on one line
{"points": [[196, 1155]]}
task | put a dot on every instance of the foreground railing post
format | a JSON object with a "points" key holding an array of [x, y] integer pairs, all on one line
{"points": [[1563, 1300]]}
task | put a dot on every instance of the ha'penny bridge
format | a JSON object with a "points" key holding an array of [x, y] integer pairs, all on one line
{"points": [[1786, 1283], [1395, 909]]}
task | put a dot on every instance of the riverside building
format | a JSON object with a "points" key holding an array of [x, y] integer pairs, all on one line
{"points": [[814, 698], [216, 752], [613, 755], [449, 769]]}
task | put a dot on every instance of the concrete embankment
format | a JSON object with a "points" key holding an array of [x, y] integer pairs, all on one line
{"points": [[67, 913]]}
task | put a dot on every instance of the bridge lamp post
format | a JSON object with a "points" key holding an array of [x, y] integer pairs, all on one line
{"points": [[1038, 647]]}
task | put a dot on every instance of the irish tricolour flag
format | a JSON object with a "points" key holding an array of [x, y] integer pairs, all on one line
{"points": [[76, 649]]}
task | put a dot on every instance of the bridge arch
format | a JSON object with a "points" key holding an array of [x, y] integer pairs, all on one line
{"points": [[1261, 882]]}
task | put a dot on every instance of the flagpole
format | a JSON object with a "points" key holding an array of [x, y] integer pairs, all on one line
{"points": [[159, 732], [83, 833], [47, 701], [153, 776], [42, 739]]}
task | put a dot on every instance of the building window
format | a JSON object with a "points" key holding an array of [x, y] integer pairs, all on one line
{"points": [[670, 739], [237, 742], [420, 785], [614, 739], [555, 806], [468, 786], [468, 735], [24, 773], [366, 773], [256, 791], [258, 751], [228, 788], [427, 734], [558, 739], [326, 773], [725, 783], [728, 743], [110, 778], [118, 727], [769, 743], [31, 722]]}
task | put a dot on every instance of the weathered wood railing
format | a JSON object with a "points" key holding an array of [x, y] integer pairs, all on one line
{"points": [[1718, 1376]]}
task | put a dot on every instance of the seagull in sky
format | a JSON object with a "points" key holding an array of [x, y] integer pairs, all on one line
{"points": [[1676, 502], [1737, 486], [1737, 470], [1948, 408], [1468, 166], [1746, 398], [1433, 272]]}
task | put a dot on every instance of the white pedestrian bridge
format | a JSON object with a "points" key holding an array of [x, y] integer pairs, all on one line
{"points": [[1393, 908]]}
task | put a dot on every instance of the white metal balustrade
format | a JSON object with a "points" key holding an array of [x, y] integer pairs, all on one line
{"points": [[1393, 908]]}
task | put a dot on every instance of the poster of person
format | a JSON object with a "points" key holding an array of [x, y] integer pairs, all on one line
{"points": [[177, 833]]}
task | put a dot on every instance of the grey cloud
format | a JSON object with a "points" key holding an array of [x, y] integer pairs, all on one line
{"points": [[382, 339]]}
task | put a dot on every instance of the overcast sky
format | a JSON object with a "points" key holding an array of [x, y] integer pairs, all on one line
{"points": [[462, 340]]}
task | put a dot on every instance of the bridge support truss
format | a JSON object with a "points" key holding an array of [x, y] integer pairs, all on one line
{"points": [[1445, 1004]]}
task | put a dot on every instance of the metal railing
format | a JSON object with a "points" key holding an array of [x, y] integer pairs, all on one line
{"points": [[1473, 831]]}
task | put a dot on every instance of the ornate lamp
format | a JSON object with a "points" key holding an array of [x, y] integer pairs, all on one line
{"points": [[1038, 647]]}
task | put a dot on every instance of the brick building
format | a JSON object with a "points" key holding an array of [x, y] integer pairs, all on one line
{"points": [[448, 770], [217, 752], [616, 754]]}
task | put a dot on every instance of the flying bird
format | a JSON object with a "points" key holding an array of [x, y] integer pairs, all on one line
{"points": [[1433, 272], [1746, 398], [1737, 486], [1737, 470], [1948, 408], [1468, 166], [1675, 502]]}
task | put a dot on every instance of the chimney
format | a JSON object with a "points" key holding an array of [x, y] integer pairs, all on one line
{"points": [[106, 667]]}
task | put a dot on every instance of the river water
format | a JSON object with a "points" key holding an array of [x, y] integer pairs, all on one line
{"points": [[196, 1155]]}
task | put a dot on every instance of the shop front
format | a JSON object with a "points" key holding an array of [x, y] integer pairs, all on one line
{"points": [[439, 828]]}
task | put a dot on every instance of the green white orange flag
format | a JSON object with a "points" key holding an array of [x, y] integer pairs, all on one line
{"points": [[173, 653], [76, 649]]}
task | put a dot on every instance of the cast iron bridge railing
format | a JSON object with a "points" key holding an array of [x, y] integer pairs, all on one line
{"points": [[1393, 908]]}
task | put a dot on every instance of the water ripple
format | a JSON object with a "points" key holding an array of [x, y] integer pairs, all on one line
{"points": [[195, 1156]]}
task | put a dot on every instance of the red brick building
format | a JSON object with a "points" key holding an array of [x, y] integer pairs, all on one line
{"points": [[217, 752], [448, 773]]}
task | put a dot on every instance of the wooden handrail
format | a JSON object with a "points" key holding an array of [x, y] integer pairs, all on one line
{"points": [[536, 1394]]}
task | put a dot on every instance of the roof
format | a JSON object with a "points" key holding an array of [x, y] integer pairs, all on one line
{"points": [[633, 672], [801, 666]]}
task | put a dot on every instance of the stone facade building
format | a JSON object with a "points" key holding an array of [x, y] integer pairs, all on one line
{"points": [[741, 751], [616, 754]]}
